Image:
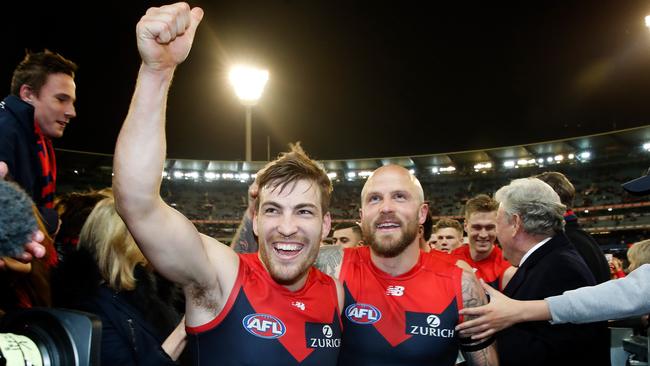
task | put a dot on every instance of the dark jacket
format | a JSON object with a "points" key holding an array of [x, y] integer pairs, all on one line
{"points": [[18, 146], [588, 249], [553, 268], [134, 323]]}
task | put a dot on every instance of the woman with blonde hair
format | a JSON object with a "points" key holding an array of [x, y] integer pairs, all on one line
{"points": [[140, 324]]}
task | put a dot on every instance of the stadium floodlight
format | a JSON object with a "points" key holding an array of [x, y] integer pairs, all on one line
{"points": [[509, 163], [549, 159], [249, 84], [331, 175], [210, 175], [646, 146], [351, 175], [448, 169], [435, 170], [571, 156], [178, 174], [365, 173], [585, 155], [647, 21], [558, 158], [540, 161]]}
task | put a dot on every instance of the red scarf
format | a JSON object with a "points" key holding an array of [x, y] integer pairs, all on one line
{"points": [[48, 166]]}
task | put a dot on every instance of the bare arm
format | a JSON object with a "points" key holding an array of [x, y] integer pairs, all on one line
{"points": [[166, 237], [244, 240], [502, 312], [330, 258], [473, 296]]}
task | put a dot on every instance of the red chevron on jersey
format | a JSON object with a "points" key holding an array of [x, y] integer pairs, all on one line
{"points": [[265, 323], [421, 303], [490, 269]]}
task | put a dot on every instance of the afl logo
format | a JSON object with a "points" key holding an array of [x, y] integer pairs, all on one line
{"points": [[264, 326], [433, 321], [362, 313]]}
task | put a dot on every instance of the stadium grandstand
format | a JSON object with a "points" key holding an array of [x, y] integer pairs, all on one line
{"points": [[213, 193]]}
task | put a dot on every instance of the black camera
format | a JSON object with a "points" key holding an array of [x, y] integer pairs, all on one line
{"points": [[50, 337]]}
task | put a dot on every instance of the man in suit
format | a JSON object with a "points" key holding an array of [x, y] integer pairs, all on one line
{"points": [[530, 226]]}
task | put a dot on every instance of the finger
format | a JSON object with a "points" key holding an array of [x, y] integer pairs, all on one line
{"points": [[4, 169], [196, 17], [489, 289], [35, 249], [485, 334], [477, 311]]}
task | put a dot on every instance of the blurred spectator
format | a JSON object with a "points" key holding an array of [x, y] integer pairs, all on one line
{"points": [[109, 276]]}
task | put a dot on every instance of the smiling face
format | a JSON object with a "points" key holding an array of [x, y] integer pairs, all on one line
{"points": [[54, 104], [392, 209], [481, 232], [290, 225]]}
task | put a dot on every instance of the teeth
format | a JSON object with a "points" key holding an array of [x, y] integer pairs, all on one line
{"points": [[387, 225], [287, 247]]}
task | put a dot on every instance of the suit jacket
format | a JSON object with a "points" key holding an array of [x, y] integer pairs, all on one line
{"points": [[588, 249], [553, 268]]}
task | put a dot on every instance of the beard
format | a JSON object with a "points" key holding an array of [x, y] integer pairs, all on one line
{"points": [[386, 245], [288, 274]]}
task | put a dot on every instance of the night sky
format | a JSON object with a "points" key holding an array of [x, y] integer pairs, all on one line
{"points": [[354, 79]]}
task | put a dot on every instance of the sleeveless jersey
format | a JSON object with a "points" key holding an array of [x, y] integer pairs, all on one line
{"points": [[490, 269], [403, 320], [263, 323]]}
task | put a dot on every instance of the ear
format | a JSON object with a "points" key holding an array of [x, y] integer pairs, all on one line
{"points": [[517, 223], [361, 214], [26, 93], [327, 225], [255, 222], [424, 208]]}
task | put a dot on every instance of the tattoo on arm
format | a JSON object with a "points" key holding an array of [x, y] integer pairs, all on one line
{"points": [[474, 295], [245, 240], [329, 259]]}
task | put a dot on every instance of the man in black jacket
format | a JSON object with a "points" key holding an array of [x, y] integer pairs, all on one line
{"points": [[530, 229], [585, 244]]}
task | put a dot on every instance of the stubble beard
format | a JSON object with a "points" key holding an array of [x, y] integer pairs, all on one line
{"points": [[289, 275], [385, 245]]}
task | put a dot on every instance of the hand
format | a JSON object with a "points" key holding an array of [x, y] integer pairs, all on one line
{"points": [[33, 249], [165, 35], [175, 342], [500, 313], [253, 193]]}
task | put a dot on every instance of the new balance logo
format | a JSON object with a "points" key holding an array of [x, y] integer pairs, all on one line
{"points": [[395, 291]]}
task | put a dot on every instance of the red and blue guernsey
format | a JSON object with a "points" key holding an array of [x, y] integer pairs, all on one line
{"points": [[490, 269], [263, 323], [403, 320]]}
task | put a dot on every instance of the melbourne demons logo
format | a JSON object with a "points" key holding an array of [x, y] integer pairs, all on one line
{"points": [[362, 313], [264, 326]]}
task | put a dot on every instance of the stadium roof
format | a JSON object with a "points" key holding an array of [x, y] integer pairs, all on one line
{"points": [[600, 147]]}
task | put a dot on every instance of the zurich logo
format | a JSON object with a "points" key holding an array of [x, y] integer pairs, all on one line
{"points": [[362, 313], [327, 331], [264, 326], [433, 321]]}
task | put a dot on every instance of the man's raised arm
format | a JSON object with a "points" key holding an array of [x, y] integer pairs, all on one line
{"points": [[166, 237]]}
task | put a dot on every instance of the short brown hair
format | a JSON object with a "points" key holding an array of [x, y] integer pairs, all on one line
{"points": [[449, 223], [292, 166], [561, 185], [34, 69], [480, 203]]}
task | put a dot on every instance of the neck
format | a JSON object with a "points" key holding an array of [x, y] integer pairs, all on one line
{"points": [[476, 256], [300, 283], [400, 264]]}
